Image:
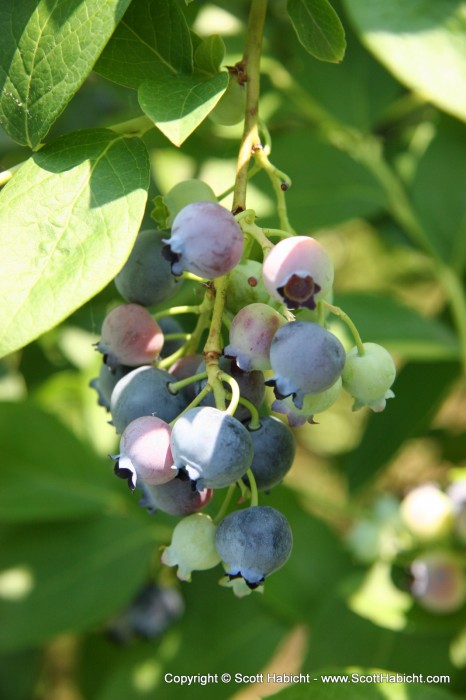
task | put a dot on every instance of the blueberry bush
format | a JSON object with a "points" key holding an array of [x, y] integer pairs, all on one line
{"points": [[233, 249]]}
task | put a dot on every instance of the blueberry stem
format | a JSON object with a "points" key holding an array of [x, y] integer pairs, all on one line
{"points": [[346, 319], [195, 402], [177, 310], [254, 423], [277, 178], [224, 507], [253, 488], [176, 386], [251, 172], [235, 393], [251, 62]]}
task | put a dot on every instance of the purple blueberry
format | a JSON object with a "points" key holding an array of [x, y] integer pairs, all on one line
{"points": [[205, 240], [130, 336], [298, 272], [251, 333]]}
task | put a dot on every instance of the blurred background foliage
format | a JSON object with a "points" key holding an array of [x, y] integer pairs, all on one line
{"points": [[76, 548]]}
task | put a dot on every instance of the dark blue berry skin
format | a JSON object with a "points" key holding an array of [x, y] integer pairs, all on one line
{"points": [[170, 325], [253, 543], [144, 392], [177, 497], [146, 277], [212, 447], [274, 451], [105, 383], [306, 359]]}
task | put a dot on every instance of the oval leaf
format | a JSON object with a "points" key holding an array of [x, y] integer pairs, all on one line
{"points": [[45, 56], [68, 220], [318, 28], [422, 44], [151, 39], [177, 104], [51, 475], [59, 578]]}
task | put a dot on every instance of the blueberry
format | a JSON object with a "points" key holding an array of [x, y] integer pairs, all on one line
{"points": [[368, 377], [105, 383], [130, 336], [438, 582], [144, 392], [312, 404], [213, 448], [298, 272], [145, 454], [306, 359], [192, 547], [184, 193], [176, 497], [274, 451], [205, 240], [146, 277], [251, 333], [254, 543]]}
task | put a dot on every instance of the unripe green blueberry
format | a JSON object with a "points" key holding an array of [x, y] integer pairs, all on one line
{"points": [[184, 193], [427, 512], [193, 546], [231, 107], [368, 377], [245, 286], [312, 404]]}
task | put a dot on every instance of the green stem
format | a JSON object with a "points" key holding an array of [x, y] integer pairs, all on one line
{"points": [[176, 310], [253, 488], [251, 172], [235, 393], [254, 423], [346, 319], [174, 387], [214, 346], [251, 61], [195, 402]]}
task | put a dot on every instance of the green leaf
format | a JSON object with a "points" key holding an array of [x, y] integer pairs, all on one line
{"points": [[57, 578], [152, 39], [46, 52], [422, 44], [51, 475], [318, 28], [68, 220], [439, 194], [210, 53], [177, 104], [385, 320], [419, 390]]}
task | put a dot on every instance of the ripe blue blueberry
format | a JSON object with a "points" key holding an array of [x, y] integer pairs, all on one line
{"points": [[144, 392], [254, 543], [212, 447], [306, 359], [146, 277], [274, 451]]}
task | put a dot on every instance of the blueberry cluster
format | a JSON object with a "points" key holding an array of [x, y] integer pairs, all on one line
{"points": [[422, 536], [193, 415]]}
